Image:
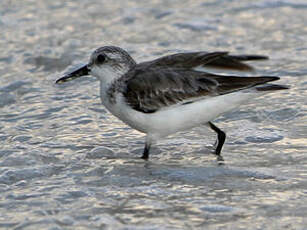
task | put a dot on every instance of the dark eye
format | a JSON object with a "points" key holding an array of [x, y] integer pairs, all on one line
{"points": [[101, 58]]}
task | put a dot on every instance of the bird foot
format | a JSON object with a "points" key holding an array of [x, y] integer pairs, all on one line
{"points": [[144, 158], [220, 160]]}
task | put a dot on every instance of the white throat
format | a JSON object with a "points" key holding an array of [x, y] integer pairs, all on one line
{"points": [[107, 74]]}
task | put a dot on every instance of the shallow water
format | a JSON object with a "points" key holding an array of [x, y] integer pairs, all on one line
{"points": [[66, 163]]}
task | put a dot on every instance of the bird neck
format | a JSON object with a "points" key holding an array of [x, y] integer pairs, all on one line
{"points": [[108, 81]]}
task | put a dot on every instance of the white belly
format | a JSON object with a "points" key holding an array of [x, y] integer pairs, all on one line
{"points": [[177, 118]]}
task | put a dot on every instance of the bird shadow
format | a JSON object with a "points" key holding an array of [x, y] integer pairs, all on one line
{"points": [[177, 166]]}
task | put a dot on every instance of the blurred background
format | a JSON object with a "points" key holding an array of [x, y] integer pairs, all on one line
{"points": [[66, 163]]}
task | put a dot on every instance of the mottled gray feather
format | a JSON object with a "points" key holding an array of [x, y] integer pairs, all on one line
{"points": [[219, 60], [150, 89]]}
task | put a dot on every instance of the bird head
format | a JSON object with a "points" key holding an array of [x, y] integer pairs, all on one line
{"points": [[106, 63]]}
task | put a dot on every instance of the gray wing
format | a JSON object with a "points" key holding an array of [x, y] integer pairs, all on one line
{"points": [[219, 60], [148, 90]]}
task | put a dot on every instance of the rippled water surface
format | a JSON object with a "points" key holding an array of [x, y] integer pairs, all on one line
{"points": [[66, 163]]}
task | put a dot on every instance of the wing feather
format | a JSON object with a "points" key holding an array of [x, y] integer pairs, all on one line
{"points": [[150, 89], [219, 60]]}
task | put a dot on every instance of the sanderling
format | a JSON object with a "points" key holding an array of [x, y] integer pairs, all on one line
{"points": [[172, 93]]}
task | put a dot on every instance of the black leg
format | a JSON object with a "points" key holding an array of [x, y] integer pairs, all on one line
{"points": [[146, 152], [221, 136]]}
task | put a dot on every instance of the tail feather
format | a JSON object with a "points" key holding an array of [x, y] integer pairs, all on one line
{"points": [[229, 63], [271, 87], [248, 57], [235, 62]]}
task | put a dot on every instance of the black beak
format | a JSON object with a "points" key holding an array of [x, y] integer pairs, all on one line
{"points": [[82, 71]]}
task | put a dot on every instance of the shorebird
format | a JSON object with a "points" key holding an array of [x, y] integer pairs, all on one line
{"points": [[172, 93]]}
